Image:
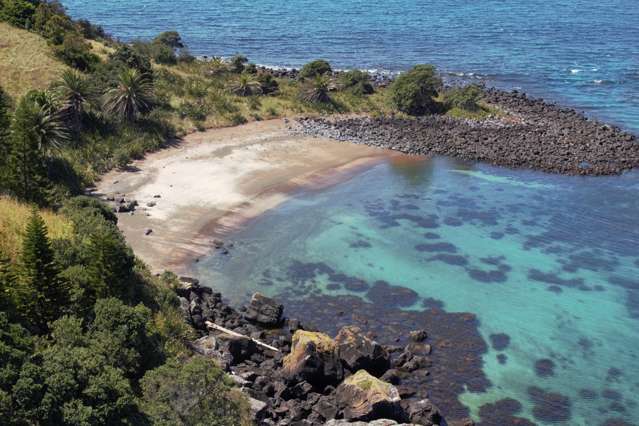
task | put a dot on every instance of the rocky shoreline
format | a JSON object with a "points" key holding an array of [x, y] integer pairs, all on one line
{"points": [[530, 133], [295, 375]]}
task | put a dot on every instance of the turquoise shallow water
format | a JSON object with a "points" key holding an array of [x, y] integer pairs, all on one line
{"points": [[584, 53], [548, 263]]}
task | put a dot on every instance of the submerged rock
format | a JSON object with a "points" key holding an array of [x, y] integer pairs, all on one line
{"points": [[364, 397]]}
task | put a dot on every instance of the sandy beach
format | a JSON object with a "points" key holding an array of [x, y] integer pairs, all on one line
{"points": [[213, 181]]}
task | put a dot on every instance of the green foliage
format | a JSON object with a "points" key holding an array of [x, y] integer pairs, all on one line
{"points": [[357, 82], [126, 56], [18, 12], [268, 84], [52, 23], [16, 346], [5, 122], [413, 92], [315, 68], [90, 31], [246, 85], [132, 97], [76, 92], [466, 97], [194, 392], [76, 52], [237, 63], [7, 286], [316, 90], [24, 172], [170, 39], [43, 294]]}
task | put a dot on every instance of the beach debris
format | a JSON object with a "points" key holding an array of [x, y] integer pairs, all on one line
{"points": [[151, 204], [157, 196], [148, 231]]}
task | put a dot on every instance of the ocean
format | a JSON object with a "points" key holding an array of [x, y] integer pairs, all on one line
{"points": [[535, 276], [584, 53]]}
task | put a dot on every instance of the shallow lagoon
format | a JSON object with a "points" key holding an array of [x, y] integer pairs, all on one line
{"points": [[547, 263]]}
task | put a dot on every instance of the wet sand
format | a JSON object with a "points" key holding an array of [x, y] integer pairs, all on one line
{"points": [[213, 181]]}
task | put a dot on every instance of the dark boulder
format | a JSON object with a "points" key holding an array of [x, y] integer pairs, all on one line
{"points": [[364, 397], [423, 412], [264, 310], [313, 358], [358, 352]]}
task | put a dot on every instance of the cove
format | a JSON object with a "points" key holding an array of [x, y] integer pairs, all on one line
{"points": [[528, 281]]}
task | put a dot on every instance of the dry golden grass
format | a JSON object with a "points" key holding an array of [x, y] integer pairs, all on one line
{"points": [[26, 61], [13, 220]]}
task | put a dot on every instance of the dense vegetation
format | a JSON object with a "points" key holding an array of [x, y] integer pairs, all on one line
{"points": [[87, 335]]}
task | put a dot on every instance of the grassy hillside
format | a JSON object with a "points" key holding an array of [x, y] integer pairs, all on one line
{"points": [[26, 61], [13, 219]]}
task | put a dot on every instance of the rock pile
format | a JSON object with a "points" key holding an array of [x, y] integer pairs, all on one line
{"points": [[311, 378], [530, 134]]}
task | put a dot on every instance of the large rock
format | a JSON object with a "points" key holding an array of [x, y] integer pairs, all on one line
{"points": [[423, 412], [380, 422], [264, 310], [358, 352], [313, 358], [238, 348], [364, 397]]}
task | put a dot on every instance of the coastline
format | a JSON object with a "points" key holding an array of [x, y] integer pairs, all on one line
{"points": [[190, 195]]}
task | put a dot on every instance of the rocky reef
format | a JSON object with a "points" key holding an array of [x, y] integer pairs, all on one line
{"points": [[528, 133], [295, 375]]}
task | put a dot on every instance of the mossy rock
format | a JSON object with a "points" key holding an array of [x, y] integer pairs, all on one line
{"points": [[313, 358], [365, 397]]}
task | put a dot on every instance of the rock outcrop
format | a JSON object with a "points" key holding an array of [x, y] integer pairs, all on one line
{"points": [[313, 358], [358, 352], [364, 397]]}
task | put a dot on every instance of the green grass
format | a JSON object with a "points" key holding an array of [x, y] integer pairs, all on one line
{"points": [[483, 112], [13, 220]]}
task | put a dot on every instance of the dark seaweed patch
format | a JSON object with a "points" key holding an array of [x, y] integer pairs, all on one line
{"points": [[502, 413], [554, 289], [383, 293], [431, 235], [450, 259], [588, 394], [502, 358], [550, 406], [496, 235], [431, 303], [436, 247], [499, 341], [611, 394], [486, 217], [544, 367], [333, 286], [487, 276], [616, 422], [592, 260], [550, 278], [617, 407], [360, 244], [453, 221], [613, 374]]}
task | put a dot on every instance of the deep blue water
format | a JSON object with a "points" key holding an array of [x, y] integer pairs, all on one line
{"points": [[584, 53]]}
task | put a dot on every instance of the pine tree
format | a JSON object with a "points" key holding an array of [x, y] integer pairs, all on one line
{"points": [[25, 171], [4, 134], [7, 285], [44, 294]]}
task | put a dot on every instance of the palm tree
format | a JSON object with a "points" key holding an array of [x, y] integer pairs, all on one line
{"points": [[132, 97], [246, 86], [75, 92], [46, 120], [316, 91]]}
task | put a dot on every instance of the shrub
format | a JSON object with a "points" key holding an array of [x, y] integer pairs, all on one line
{"points": [[316, 90], [164, 55], [18, 12], [268, 84], [246, 85], [169, 397], [250, 69], [132, 59], [237, 63], [413, 91], [357, 82], [315, 68], [196, 111], [76, 53], [466, 98], [238, 119]]}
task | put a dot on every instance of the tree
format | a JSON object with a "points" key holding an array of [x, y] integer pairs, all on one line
{"points": [[132, 97], [110, 263], [194, 392], [315, 68], [7, 285], [43, 293], [76, 52], [15, 347], [268, 83], [246, 86], [25, 171], [122, 335], [18, 12], [413, 92], [75, 91], [5, 122], [47, 120], [170, 39], [316, 90]]}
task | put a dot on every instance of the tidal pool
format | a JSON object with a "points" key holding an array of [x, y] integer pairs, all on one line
{"points": [[547, 265]]}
